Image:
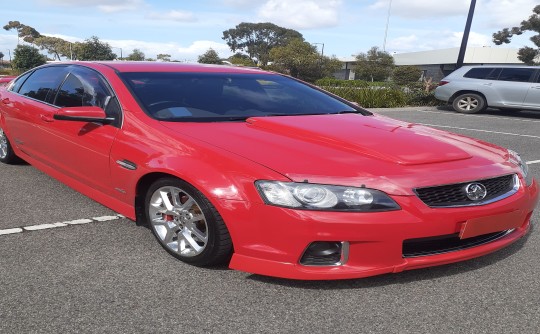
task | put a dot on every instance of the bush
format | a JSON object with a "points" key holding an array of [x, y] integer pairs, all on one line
{"points": [[404, 75], [422, 98], [332, 82], [389, 96], [371, 97]]}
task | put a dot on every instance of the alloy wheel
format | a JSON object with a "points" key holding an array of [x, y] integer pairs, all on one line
{"points": [[468, 103], [178, 221], [3, 144]]}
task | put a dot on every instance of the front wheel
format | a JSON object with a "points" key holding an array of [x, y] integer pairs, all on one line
{"points": [[186, 224], [469, 103], [7, 155]]}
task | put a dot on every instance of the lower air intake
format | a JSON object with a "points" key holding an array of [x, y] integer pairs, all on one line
{"points": [[446, 243]]}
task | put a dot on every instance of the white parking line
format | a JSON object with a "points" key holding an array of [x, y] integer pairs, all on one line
{"points": [[533, 162], [482, 116], [11, 231], [479, 130], [59, 224]]}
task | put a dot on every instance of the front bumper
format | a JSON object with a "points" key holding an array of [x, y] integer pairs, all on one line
{"points": [[270, 240]]}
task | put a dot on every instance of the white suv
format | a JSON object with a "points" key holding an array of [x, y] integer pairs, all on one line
{"points": [[471, 89]]}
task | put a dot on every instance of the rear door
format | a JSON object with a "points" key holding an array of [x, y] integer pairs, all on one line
{"points": [[511, 87], [532, 100], [29, 111]]}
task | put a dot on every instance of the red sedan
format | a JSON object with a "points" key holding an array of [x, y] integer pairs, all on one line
{"points": [[6, 79], [265, 172]]}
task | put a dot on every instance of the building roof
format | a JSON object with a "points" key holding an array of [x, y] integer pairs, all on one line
{"points": [[473, 55]]}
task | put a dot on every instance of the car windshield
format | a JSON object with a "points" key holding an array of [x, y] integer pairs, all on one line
{"points": [[215, 97]]}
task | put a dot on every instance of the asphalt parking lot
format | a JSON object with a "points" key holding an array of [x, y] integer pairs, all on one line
{"points": [[70, 265]]}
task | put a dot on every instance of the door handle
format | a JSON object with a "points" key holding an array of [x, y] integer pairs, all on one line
{"points": [[535, 87], [46, 118], [5, 101], [487, 84]]}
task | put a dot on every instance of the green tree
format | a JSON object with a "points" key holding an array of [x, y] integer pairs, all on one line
{"points": [[136, 55], [302, 60], [241, 59], [24, 32], [26, 57], [404, 75], [54, 46], [528, 55], [93, 49], [2, 58], [209, 57], [164, 57], [257, 39], [375, 65]]}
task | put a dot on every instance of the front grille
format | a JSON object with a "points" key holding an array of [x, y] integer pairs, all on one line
{"points": [[454, 194], [446, 243]]}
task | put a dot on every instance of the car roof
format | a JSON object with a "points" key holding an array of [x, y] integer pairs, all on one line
{"points": [[501, 66], [154, 66]]}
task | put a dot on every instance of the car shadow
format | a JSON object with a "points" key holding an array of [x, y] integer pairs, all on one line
{"points": [[527, 114], [405, 277]]}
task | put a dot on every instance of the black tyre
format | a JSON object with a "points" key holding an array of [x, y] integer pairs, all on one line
{"points": [[469, 103], [7, 155], [186, 224]]}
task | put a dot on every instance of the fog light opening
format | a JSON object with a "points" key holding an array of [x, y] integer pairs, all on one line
{"points": [[325, 253]]}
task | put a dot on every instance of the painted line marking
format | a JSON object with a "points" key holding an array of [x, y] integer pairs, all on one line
{"points": [[79, 221], [533, 162], [479, 130], [39, 227], [105, 218], [478, 116], [11, 231]]}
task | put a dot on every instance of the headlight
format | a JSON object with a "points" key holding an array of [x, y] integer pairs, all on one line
{"points": [[324, 197], [516, 159]]}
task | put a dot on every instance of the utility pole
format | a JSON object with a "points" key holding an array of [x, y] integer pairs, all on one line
{"points": [[387, 23], [463, 48]]}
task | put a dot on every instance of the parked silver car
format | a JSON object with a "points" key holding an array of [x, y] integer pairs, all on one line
{"points": [[471, 89]]}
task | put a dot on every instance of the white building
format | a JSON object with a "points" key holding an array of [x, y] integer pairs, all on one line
{"points": [[436, 64]]}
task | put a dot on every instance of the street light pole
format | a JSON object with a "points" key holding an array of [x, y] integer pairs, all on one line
{"points": [[116, 47], [387, 23], [322, 49], [465, 39], [10, 63]]}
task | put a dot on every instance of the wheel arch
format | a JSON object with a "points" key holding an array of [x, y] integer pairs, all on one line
{"points": [[141, 188]]}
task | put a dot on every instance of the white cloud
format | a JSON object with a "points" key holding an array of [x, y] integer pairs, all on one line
{"points": [[107, 6], [242, 4], [178, 52], [301, 14], [173, 15], [432, 40], [499, 14], [68, 38], [424, 9]]}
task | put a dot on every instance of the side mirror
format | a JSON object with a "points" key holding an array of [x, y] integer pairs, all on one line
{"points": [[83, 114]]}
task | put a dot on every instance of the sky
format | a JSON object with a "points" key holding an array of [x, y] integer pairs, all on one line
{"points": [[187, 28]]}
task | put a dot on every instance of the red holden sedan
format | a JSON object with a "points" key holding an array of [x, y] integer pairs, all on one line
{"points": [[265, 172]]}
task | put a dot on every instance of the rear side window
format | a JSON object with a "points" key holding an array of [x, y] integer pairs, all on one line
{"points": [[516, 74], [43, 83], [480, 73], [18, 82]]}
